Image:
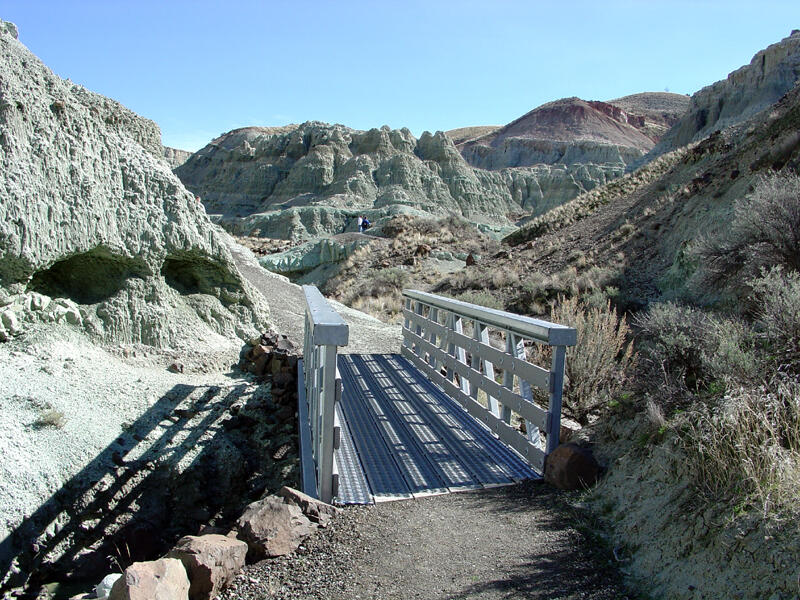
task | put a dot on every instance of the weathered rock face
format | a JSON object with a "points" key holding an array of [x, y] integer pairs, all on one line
{"points": [[256, 170], [91, 214], [653, 113], [310, 255], [312, 180], [745, 92], [175, 157]]}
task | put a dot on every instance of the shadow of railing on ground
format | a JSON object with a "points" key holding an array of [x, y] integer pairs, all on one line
{"points": [[197, 456]]}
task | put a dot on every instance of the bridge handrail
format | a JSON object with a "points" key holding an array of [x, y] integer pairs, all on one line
{"points": [[433, 338], [325, 331]]}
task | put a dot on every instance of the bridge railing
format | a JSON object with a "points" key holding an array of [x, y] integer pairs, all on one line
{"points": [[436, 340], [325, 331]]}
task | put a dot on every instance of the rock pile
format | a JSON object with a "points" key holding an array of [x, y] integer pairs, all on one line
{"points": [[199, 567]]}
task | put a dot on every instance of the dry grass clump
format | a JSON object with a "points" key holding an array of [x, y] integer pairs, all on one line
{"points": [[597, 367], [50, 418], [731, 392], [747, 448]]}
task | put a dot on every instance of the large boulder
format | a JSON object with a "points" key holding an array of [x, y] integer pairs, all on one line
{"points": [[135, 254], [163, 579], [272, 527], [316, 510], [570, 467], [211, 562]]}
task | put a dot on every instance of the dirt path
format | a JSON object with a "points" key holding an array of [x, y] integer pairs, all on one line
{"points": [[513, 542], [287, 309]]}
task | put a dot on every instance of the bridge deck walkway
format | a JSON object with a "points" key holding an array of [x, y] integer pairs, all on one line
{"points": [[402, 436]]}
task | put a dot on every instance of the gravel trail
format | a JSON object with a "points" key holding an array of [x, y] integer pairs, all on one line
{"points": [[519, 541], [287, 309]]}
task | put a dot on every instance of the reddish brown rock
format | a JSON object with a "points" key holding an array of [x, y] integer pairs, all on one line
{"points": [[163, 579], [260, 364], [471, 260], [570, 467], [316, 510], [211, 561], [272, 527]]}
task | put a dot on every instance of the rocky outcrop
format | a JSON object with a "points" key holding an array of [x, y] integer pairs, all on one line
{"points": [[653, 113], [311, 255], [175, 157], [256, 170], [312, 180], [748, 90], [91, 215]]}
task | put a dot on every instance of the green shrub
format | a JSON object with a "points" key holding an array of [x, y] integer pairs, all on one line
{"points": [[481, 299], [764, 233], [777, 295], [695, 351]]}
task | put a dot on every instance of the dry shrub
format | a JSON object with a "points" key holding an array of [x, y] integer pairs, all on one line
{"points": [[50, 418], [747, 450], [481, 299], [598, 365], [387, 308], [777, 296], [765, 232]]}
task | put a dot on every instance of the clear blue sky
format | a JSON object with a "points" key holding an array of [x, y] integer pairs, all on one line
{"points": [[203, 67]]}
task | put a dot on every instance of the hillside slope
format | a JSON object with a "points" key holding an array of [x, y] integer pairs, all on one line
{"points": [[312, 180], [571, 131]]}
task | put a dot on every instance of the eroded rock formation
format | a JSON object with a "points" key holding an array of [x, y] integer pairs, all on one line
{"points": [[745, 92], [91, 214]]}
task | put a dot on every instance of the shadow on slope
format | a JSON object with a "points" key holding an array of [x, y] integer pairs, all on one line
{"points": [[195, 458]]}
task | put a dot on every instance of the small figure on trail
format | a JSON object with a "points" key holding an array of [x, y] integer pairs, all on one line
{"points": [[363, 224]]}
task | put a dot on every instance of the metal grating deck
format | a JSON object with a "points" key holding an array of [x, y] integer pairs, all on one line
{"points": [[402, 436]]}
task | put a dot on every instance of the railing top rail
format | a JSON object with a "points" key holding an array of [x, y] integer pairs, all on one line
{"points": [[543, 331], [329, 329]]}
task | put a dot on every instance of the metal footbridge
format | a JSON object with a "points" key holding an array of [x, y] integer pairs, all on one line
{"points": [[460, 407]]}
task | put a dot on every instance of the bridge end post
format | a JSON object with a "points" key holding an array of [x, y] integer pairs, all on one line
{"points": [[556, 390]]}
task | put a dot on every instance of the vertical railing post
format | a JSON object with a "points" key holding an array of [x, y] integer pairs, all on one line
{"points": [[481, 334], [433, 315], [556, 388], [325, 331], [327, 411]]}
